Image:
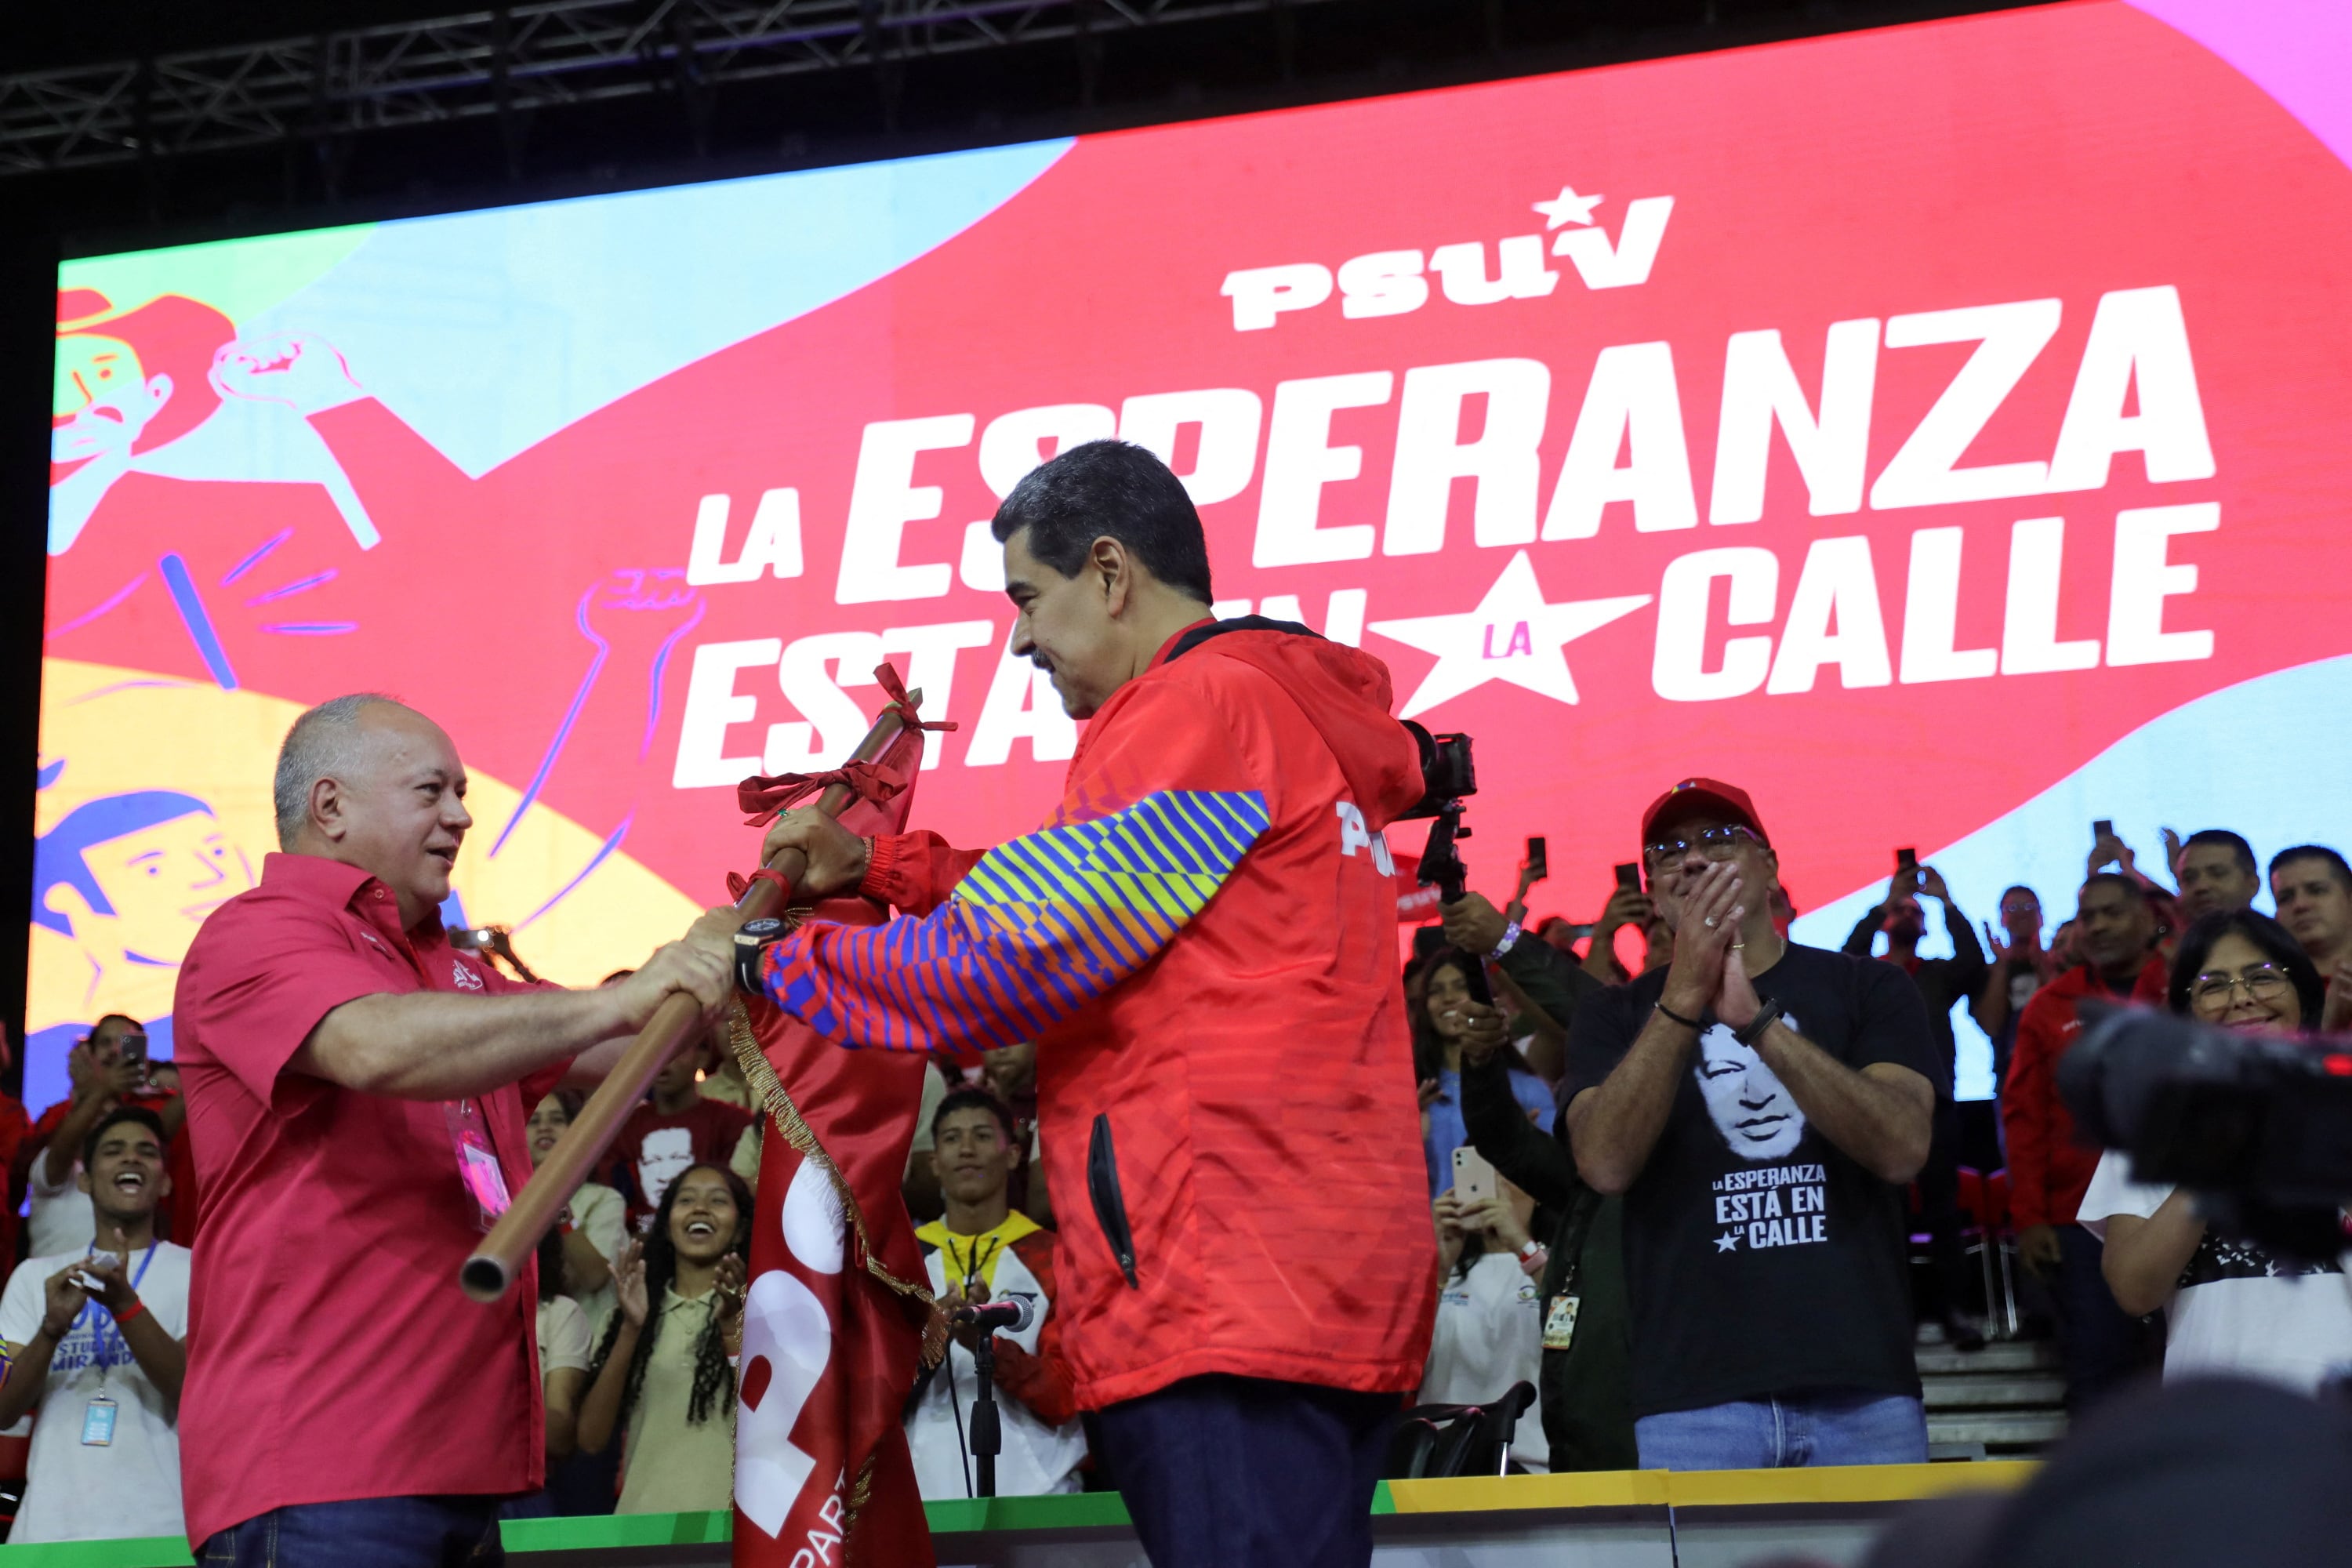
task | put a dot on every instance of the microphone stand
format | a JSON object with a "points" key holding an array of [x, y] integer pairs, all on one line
{"points": [[987, 1435]]}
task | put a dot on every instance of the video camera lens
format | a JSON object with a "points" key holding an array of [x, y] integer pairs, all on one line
{"points": [[1447, 772]]}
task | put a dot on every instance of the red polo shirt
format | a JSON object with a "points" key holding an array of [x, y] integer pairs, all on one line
{"points": [[330, 1354]]}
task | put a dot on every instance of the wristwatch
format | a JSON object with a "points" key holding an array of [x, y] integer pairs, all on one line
{"points": [[1766, 1017], [751, 939]]}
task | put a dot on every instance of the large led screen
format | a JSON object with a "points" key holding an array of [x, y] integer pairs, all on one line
{"points": [[1946, 433]]}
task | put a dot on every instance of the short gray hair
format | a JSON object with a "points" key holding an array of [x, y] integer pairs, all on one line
{"points": [[323, 744]]}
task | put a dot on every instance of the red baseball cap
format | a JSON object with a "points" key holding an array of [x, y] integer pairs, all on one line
{"points": [[1692, 797]]}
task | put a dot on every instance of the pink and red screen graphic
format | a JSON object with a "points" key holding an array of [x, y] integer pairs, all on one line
{"points": [[1937, 431]]}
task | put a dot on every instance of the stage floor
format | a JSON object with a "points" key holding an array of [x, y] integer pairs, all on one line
{"points": [[1626, 1519]]}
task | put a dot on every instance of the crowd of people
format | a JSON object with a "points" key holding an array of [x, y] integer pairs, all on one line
{"points": [[1670, 1169], [1622, 1140]]}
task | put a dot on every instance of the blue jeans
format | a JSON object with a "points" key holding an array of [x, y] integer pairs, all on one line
{"points": [[365, 1532], [1241, 1472], [1771, 1434]]}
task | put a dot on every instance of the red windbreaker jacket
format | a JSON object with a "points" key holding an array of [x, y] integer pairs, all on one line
{"points": [[2049, 1169], [1202, 940]]}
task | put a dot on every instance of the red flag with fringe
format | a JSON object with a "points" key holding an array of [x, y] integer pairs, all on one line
{"points": [[834, 1324]]}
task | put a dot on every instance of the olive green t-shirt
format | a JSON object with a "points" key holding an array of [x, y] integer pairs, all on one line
{"points": [[685, 1465]]}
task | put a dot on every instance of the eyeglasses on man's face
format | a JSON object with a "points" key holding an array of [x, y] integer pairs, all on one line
{"points": [[2263, 982], [1715, 843]]}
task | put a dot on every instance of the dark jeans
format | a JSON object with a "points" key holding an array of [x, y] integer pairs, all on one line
{"points": [[2101, 1344], [365, 1532], [1238, 1472], [1945, 1289]]}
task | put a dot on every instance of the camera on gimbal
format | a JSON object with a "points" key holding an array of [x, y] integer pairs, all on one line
{"points": [[1447, 777], [2259, 1126]]}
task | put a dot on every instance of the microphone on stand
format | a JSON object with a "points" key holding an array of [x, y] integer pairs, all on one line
{"points": [[1014, 1312], [1009, 1313]]}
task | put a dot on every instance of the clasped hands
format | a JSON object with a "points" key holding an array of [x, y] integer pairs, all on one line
{"points": [[1707, 971]]}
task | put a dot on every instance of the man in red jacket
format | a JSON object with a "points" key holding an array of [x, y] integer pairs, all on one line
{"points": [[1202, 940], [2048, 1169]]}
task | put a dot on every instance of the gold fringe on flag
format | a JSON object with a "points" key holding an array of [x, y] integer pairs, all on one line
{"points": [[796, 1130], [791, 1127]]}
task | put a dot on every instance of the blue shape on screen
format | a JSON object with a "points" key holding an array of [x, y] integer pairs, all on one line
{"points": [[256, 559], [199, 622], [604, 853], [299, 585], [2203, 765], [488, 331]]}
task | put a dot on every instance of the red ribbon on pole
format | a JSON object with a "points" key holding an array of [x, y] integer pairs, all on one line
{"points": [[767, 796]]}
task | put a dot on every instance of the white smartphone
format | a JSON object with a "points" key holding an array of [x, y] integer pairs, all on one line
{"points": [[1474, 1176]]}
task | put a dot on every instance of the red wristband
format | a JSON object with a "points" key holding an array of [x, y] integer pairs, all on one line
{"points": [[132, 1310]]}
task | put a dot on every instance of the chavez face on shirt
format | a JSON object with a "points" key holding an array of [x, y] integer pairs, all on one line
{"points": [[1746, 1100]]}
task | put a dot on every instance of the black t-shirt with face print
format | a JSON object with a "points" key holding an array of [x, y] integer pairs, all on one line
{"points": [[1760, 1259]]}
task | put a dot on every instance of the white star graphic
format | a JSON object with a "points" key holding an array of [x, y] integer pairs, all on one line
{"points": [[1568, 207], [1512, 636], [1727, 1242]]}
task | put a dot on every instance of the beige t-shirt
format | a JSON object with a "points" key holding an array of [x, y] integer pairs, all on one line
{"points": [[728, 1090], [599, 1214], [670, 1464], [562, 1335]]}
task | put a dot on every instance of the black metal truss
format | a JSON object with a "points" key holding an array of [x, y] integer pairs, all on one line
{"points": [[512, 59]]}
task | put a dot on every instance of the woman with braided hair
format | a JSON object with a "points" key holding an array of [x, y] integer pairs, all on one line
{"points": [[664, 1374]]}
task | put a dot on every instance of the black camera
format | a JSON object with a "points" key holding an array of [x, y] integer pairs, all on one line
{"points": [[1447, 772], [2259, 1126], [1447, 777]]}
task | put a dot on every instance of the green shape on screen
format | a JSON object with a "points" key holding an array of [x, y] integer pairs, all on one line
{"points": [[239, 277], [145, 1552], [604, 1531]]}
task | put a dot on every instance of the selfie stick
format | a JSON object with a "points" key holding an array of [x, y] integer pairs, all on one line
{"points": [[491, 1272]]}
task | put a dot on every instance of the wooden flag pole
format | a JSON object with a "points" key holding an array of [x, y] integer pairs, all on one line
{"points": [[491, 1271]]}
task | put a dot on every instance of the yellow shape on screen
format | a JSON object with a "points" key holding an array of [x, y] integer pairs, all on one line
{"points": [[160, 811]]}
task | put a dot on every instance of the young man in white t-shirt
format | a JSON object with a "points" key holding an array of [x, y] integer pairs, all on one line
{"points": [[95, 1337]]}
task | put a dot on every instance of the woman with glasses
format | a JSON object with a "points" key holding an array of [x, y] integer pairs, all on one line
{"points": [[2228, 1306]]}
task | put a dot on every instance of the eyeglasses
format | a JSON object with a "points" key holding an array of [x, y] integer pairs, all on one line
{"points": [[2264, 983], [1715, 843]]}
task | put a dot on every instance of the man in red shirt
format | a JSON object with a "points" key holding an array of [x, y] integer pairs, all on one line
{"points": [[356, 1094], [2313, 887], [2048, 1171]]}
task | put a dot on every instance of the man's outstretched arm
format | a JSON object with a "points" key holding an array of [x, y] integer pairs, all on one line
{"points": [[1042, 925]]}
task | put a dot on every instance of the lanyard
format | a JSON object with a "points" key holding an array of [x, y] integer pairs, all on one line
{"points": [[973, 1265], [108, 1347]]}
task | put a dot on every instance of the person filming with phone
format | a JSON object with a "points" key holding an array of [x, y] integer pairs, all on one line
{"points": [[1943, 984], [1490, 1333], [107, 1070], [95, 1338]]}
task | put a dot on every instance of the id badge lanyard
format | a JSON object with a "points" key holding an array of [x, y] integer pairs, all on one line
{"points": [[477, 1161], [107, 1350]]}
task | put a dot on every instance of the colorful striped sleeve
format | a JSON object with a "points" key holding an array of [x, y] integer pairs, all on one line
{"points": [[1039, 928]]}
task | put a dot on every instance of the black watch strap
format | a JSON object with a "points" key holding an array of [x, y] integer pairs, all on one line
{"points": [[1766, 1017], [751, 939]]}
